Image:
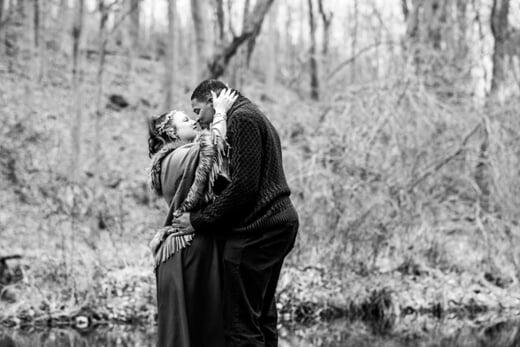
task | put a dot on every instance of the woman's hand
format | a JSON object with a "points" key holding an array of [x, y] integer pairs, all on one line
{"points": [[223, 102]]}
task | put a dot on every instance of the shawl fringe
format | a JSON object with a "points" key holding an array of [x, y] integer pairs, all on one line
{"points": [[212, 164], [173, 242]]}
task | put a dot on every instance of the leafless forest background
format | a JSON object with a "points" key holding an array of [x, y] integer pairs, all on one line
{"points": [[399, 123]]}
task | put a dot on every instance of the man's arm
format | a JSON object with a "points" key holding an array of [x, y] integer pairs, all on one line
{"points": [[231, 205]]}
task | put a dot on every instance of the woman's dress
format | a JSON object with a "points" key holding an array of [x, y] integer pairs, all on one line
{"points": [[190, 312]]}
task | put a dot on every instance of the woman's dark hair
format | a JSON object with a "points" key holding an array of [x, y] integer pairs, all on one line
{"points": [[157, 136]]}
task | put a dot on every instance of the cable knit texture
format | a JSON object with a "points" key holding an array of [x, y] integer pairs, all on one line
{"points": [[258, 195]]}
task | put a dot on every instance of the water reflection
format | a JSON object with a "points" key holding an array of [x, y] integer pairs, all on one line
{"points": [[416, 331], [120, 336]]}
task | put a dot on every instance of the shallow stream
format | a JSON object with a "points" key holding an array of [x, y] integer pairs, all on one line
{"points": [[413, 331]]}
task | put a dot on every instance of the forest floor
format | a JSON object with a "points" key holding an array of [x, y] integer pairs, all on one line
{"points": [[83, 246]]}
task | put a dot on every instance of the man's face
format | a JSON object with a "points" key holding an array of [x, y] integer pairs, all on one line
{"points": [[204, 110]]}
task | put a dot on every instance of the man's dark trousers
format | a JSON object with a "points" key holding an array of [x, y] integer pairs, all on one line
{"points": [[251, 267]]}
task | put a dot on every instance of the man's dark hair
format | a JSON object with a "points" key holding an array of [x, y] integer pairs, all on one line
{"points": [[203, 90]]}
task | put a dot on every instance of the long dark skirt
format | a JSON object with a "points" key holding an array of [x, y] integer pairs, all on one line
{"points": [[189, 297]]}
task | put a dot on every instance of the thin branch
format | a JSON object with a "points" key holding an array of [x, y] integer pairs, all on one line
{"points": [[379, 17], [446, 160], [327, 18], [230, 22], [7, 17], [123, 17], [405, 9], [355, 56]]}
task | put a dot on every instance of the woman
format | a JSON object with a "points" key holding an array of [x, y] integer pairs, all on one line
{"points": [[186, 166]]}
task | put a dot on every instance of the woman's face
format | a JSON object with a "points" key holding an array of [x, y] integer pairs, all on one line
{"points": [[186, 127]]}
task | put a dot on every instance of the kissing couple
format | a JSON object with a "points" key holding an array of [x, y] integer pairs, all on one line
{"points": [[230, 223]]}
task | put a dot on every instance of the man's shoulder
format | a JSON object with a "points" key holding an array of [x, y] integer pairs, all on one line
{"points": [[246, 116], [248, 112]]}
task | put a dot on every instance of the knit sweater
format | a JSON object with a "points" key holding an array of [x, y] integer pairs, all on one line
{"points": [[258, 195]]}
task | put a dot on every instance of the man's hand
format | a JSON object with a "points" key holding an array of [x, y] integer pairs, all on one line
{"points": [[157, 239], [183, 222]]}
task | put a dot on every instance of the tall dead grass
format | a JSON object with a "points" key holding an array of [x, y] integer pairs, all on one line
{"points": [[385, 173]]}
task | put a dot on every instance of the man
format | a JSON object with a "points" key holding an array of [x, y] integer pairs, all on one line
{"points": [[254, 216]]}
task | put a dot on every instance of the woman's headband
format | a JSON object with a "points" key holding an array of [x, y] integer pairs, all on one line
{"points": [[167, 118]]}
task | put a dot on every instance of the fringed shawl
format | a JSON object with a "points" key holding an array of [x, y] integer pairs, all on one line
{"points": [[185, 176]]}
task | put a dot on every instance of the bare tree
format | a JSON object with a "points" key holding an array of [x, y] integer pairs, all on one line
{"points": [[313, 64], [251, 42], [353, 42], [326, 19], [435, 19], [240, 62], [20, 9], [1, 14], [169, 62], [76, 129], [103, 9], [405, 9], [200, 12], [14, 33], [499, 28], [133, 29], [40, 56], [220, 20], [36, 22], [272, 62], [251, 28]]}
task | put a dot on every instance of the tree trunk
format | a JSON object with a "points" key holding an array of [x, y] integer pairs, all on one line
{"points": [[103, 10], [252, 40], [202, 24], [152, 29], [252, 26], [20, 9], [499, 29], [353, 43], [62, 10], [482, 170], [1, 15], [61, 19], [241, 59], [272, 59], [436, 17], [38, 45], [220, 20], [76, 129], [15, 33], [135, 14], [170, 61], [462, 26], [405, 9], [312, 54], [36, 22], [133, 26], [326, 19]]}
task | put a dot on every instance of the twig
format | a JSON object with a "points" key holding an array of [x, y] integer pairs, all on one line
{"points": [[7, 17], [123, 16], [446, 160], [515, 75], [355, 56], [383, 123], [8, 257]]}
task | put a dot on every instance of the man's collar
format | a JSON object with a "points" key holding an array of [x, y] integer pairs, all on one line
{"points": [[241, 100]]}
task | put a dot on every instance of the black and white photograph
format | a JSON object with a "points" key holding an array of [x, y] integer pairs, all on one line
{"points": [[235, 173]]}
